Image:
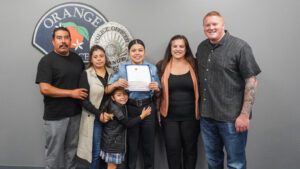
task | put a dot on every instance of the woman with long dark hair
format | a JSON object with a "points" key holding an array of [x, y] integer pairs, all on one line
{"points": [[179, 103], [94, 79]]}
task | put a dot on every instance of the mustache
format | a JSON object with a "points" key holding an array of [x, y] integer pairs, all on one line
{"points": [[63, 45]]}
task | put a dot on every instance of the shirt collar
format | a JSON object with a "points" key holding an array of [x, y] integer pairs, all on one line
{"points": [[222, 41], [225, 38]]}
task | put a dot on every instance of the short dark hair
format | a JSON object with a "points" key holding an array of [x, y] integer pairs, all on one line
{"points": [[60, 29], [135, 41], [92, 50], [118, 89]]}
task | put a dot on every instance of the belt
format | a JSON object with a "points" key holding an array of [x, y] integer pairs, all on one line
{"points": [[139, 103]]}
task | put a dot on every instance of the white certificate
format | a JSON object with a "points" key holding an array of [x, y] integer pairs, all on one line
{"points": [[138, 77]]}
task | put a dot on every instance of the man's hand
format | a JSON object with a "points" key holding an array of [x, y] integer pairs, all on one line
{"points": [[80, 93], [242, 123]]}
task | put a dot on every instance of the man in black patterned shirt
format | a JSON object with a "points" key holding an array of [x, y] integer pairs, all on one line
{"points": [[227, 79]]}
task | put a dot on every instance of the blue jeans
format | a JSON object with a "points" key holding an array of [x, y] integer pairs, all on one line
{"points": [[216, 135], [96, 145]]}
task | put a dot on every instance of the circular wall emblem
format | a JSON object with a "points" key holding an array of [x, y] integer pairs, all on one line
{"points": [[81, 20], [114, 38]]}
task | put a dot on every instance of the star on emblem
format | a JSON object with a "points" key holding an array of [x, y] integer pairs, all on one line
{"points": [[77, 45]]}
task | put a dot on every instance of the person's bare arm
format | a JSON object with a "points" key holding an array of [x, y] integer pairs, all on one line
{"points": [[49, 90], [119, 83], [242, 123]]}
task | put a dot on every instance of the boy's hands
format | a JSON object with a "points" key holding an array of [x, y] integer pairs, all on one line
{"points": [[146, 112], [105, 117]]}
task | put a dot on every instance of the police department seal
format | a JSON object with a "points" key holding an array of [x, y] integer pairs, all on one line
{"points": [[80, 19], [114, 38]]}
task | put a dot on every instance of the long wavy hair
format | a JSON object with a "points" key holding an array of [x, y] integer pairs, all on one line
{"points": [[168, 55]]}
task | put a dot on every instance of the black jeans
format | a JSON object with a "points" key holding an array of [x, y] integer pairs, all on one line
{"points": [[144, 134], [181, 143]]}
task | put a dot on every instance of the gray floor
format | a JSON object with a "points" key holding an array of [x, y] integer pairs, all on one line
{"points": [[81, 165], [11, 167], [160, 157]]}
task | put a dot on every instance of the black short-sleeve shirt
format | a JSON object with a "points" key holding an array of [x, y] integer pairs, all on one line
{"points": [[222, 70], [61, 72]]}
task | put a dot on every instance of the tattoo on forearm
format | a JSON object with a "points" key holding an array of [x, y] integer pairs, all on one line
{"points": [[249, 94]]}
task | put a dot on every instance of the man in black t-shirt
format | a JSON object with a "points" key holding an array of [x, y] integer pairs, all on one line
{"points": [[58, 77]]}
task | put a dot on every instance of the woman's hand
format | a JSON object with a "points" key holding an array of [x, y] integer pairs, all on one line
{"points": [[121, 83], [154, 86]]}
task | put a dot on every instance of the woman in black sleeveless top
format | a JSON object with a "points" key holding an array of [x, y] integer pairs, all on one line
{"points": [[179, 103]]}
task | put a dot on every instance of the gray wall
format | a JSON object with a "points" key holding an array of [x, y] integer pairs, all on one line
{"points": [[270, 27]]}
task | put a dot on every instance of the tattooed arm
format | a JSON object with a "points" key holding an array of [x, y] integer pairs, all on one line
{"points": [[249, 94], [242, 122]]}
